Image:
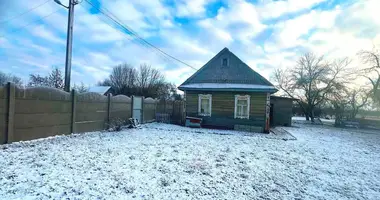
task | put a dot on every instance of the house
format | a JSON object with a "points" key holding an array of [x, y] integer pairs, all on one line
{"points": [[227, 93], [103, 90]]}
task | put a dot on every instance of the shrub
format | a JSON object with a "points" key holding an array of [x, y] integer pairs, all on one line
{"points": [[117, 125]]}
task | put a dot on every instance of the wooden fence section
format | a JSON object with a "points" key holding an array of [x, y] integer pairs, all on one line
{"points": [[170, 111], [40, 112]]}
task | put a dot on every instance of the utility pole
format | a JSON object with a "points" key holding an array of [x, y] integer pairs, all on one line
{"points": [[69, 42]]}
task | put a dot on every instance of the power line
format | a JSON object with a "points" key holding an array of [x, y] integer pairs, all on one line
{"points": [[130, 39], [130, 30], [138, 42], [23, 13], [20, 28]]}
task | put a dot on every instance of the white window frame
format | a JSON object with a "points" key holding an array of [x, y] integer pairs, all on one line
{"points": [[204, 96], [244, 97]]}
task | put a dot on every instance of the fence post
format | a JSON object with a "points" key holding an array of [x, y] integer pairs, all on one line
{"points": [[73, 110], [108, 110], [132, 97], [172, 118], [155, 110], [142, 110], [164, 106], [11, 93]]}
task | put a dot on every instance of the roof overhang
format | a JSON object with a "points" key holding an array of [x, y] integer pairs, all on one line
{"points": [[227, 87], [285, 98]]}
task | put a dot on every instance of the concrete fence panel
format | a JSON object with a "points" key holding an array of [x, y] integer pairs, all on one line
{"points": [[120, 108], [91, 112], [40, 112], [3, 115], [149, 110]]}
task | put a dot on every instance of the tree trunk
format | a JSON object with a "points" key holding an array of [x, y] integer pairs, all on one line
{"points": [[311, 114], [338, 116]]}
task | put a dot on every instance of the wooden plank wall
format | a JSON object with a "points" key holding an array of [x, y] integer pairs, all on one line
{"points": [[282, 111], [41, 112], [223, 108], [3, 114]]}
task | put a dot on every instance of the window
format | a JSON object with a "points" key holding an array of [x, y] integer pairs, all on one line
{"points": [[225, 62], [204, 104], [242, 106]]}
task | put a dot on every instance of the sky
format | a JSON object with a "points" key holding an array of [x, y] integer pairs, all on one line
{"points": [[265, 34]]}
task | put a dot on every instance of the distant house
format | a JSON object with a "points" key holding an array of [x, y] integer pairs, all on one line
{"points": [[227, 93], [103, 90]]}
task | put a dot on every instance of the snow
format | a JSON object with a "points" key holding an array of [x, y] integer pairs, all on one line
{"points": [[99, 89], [162, 161], [227, 86], [303, 120]]}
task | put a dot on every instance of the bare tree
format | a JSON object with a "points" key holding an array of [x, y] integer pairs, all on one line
{"points": [[81, 88], [358, 99], [54, 79], [144, 81], [151, 82], [122, 79], [37, 80], [311, 80], [5, 78], [372, 72], [339, 98]]}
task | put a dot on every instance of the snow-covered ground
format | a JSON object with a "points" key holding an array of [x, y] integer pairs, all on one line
{"points": [[324, 121], [171, 162]]}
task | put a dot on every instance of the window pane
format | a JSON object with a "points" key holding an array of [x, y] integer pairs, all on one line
{"points": [[242, 102], [239, 111], [245, 111], [205, 106]]}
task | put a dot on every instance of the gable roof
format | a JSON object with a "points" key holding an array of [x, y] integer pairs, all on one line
{"points": [[236, 76], [99, 89]]}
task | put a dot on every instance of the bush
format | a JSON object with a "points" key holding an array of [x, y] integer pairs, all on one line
{"points": [[117, 125]]}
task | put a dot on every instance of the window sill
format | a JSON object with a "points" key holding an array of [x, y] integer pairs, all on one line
{"points": [[241, 117]]}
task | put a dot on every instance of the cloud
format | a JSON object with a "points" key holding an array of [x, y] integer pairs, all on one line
{"points": [[273, 9], [265, 34], [42, 32], [194, 8], [237, 22], [294, 32]]}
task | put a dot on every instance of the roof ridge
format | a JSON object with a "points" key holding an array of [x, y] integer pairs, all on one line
{"points": [[202, 68], [237, 71]]}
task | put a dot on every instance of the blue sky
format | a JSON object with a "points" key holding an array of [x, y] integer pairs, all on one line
{"points": [[263, 33]]}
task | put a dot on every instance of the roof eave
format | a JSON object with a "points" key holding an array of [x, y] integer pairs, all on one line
{"points": [[229, 89]]}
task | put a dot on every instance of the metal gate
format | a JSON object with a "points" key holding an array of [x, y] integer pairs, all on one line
{"points": [[137, 108]]}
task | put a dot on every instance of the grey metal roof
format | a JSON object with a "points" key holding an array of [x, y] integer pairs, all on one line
{"points": [[236, 72], [99, 89]]}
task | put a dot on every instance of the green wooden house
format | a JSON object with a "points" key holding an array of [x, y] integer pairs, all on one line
{"points": [[227, 93]]}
